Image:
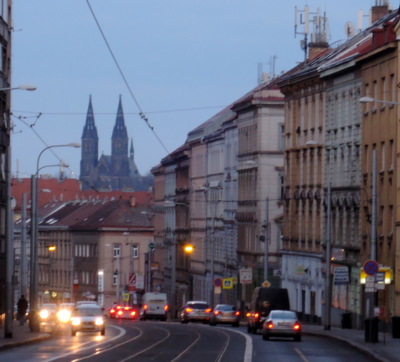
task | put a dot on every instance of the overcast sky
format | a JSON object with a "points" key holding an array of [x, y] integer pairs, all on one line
{"points": [[184, 60]]}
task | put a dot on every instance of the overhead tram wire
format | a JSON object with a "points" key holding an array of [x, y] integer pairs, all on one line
{"points": [[141, 113]]}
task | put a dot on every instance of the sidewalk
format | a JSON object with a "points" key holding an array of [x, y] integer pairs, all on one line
{"points": [[21, 335]]}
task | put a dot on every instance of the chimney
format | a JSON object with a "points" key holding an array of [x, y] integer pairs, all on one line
{"points": [[132, 201], [380, 9], [314, 49]]}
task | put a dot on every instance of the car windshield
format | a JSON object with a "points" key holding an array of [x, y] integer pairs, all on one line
{"points": [[283, 315], [225, 307], [198, 305], [90, 312]]}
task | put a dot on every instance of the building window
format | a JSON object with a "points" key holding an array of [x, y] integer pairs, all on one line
{"points": [[117, 251], [115, 278], [135, 251]]}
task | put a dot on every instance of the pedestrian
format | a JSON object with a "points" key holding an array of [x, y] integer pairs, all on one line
{"points": [[22, 306]]}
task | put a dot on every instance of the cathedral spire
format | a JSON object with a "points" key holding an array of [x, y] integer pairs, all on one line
{"points": [[90, 130], [119, 127]]}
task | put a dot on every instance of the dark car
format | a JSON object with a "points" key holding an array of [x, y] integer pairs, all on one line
{"points": [[127, 313], [263, 301], [225, 313], [282, 323], [195, 311]]}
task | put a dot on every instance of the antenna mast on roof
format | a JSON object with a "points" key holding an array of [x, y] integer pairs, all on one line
{"points": [[319, 34]]}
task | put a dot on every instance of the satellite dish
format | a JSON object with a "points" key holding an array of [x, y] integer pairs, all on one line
{"points": [[349, 29]]}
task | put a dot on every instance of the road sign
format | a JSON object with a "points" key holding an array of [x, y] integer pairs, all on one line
{"points": [[132, 279], [266, 284], [227, 283], [151, 246], [217, 282], [371, 267], [246, 275]]}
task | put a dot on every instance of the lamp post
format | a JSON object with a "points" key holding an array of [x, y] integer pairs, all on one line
{"points": [[33, 295], [9, 310]]}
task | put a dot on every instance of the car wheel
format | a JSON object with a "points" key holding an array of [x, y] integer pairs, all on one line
{"points": [[297, 338], [103, 332], [254, 330], [73, 333], [248, 328], [265, 337], [236, 324]]}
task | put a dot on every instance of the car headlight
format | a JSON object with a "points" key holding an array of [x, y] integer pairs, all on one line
{"points": [[44, 314], [75, 321], [99, 321], [64, 315]]}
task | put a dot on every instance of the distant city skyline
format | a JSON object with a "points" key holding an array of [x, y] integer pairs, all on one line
{"points": [[183, 62]]}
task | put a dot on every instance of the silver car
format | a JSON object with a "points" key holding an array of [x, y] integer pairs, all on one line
{"points": [[225, 313], [195, 311], [281, 323]]}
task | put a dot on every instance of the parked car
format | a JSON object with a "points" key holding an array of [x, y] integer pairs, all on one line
{"points": [[127, 312], [282, 323], [87, 318], [225, 313], [195, 311], [155, 306], [263, 301]]}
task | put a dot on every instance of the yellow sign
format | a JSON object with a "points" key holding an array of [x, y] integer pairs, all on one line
{"points": [[227, 283], [125, 297], [385, 270]]}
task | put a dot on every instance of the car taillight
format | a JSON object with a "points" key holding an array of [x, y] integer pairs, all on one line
{"points": [[237, 313], [145, 307], [120, 312], [270, 325], [166, 307], [133, 313], [248, 314], [296, 326], [217, 312], [126, 308], [209, 310], [188, 310], [256, 315], [112, 310]]}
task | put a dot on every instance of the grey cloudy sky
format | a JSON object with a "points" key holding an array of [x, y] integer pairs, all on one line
{"points": [[184, 60]]}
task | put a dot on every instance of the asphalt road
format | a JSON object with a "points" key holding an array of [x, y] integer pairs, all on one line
{"points": [[164, 341]]}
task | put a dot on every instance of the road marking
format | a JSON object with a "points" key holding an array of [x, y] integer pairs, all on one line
{"points": [[302, 356], [121, 333], [248, 352], [187, 349]]}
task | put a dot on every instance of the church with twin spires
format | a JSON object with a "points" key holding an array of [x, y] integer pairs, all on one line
{"points": [[113, 172]]}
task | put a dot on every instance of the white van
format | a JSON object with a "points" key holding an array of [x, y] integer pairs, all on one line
{"points": [[154, 306]]}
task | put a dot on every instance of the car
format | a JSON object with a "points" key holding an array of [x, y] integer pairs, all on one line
{"points": [[127, 312], [112, 312], [155, 306], [87, 318], [195, 311], [48, 317], [281, 323], [225, 313], [64, 312]]}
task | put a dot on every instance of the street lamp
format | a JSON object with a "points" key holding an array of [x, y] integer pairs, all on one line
{"points": [[33, 295], [9, 310]]}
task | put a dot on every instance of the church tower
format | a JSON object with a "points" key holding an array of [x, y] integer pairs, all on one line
{"points": [[119, 152], [89, 150]]}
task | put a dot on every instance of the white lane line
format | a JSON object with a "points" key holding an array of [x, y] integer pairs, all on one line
{"points": [[248, 352], [148, 348], [302, 356], [121, 333]]}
